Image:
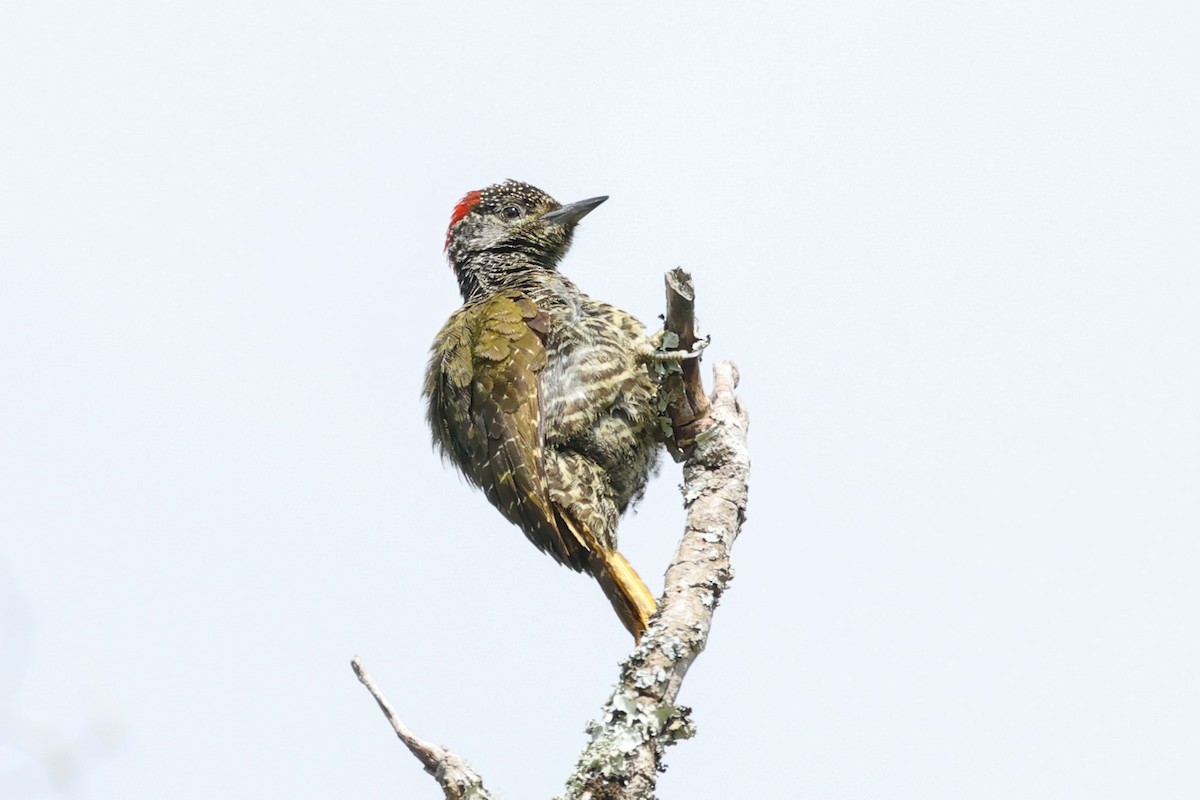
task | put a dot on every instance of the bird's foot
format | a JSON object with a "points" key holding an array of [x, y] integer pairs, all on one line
{"points": [[655, 348]]}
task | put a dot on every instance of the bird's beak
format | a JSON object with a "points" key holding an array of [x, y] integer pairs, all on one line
{"points": [[573, 212]]}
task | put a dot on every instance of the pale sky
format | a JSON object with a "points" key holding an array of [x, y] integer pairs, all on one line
{"points": [[952, 248]]}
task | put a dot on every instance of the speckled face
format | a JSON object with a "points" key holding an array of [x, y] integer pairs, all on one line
{"points": [[514, 200], [506, 231], [502, 206]]}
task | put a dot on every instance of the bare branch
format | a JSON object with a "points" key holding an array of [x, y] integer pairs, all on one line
{"points": [[640, 719], [687, 406], [458, 780]]}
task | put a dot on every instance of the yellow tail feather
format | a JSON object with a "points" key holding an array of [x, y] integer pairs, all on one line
{"points": [[624, 589]]}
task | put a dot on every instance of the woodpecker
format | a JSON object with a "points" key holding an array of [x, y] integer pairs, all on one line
{"points": [[541, 395]]}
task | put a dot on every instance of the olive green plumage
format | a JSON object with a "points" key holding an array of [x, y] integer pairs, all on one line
{"points": [[539, 394]]}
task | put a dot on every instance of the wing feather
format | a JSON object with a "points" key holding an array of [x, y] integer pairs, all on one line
{"points": [[485, 409]]}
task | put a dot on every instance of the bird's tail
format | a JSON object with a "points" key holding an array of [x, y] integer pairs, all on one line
{"points": [[624, 589]]}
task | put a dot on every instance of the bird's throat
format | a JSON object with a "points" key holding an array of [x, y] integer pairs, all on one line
{"points": [[490, 272]]}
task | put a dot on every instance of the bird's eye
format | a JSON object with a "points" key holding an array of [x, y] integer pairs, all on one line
{"points": [[512, 212]]}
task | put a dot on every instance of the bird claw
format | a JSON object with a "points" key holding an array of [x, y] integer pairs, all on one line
{"points": [[699, 346], [655, 348]]}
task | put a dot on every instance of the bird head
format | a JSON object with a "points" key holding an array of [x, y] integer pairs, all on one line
{"points": [[509, 227]]}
